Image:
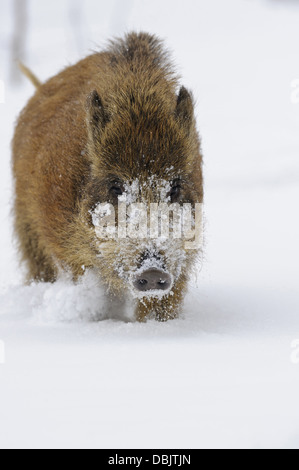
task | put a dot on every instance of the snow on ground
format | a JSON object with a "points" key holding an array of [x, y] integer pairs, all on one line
{"points": [[222, 375]]}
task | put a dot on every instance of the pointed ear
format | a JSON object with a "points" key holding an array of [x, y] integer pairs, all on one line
{"points": [[97, 116], [185, 110]]}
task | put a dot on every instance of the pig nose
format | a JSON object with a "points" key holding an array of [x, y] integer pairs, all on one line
{"points": [[153, 279]]}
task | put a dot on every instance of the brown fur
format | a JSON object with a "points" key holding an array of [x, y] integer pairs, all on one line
{"points": [[115, 115]]}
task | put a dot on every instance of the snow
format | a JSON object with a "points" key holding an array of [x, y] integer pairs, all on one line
{"points": [[226, 374]]}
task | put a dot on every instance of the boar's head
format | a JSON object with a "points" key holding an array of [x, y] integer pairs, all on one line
{"points": [[143, 151]]}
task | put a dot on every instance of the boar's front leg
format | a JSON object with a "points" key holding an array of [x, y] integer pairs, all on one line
{"points": [[167, 308]]}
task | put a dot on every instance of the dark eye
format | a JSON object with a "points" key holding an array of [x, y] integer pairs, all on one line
{"points": [[116, 191], [175, 192]]}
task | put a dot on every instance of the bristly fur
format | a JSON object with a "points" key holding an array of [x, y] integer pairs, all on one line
{"points": [[118, 116]]}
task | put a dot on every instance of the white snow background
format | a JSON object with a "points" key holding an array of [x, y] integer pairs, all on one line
{"points": [[221, 376]]}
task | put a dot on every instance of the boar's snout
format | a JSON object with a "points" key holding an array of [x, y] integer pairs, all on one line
{"points": [[152, 280]]}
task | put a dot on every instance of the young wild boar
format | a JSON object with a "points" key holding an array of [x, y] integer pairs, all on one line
{"points": [[114, 127]]}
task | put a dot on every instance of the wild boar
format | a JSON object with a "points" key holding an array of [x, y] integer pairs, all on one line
{"points": [[114, 127]]}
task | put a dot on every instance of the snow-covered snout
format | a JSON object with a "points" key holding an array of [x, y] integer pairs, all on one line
{"points": [[137, 235]]}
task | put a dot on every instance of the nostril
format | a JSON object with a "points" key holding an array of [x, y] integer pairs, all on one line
{"points": [[142, 282], [163, 284]]}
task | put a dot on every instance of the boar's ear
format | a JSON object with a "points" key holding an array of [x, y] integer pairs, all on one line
{"points": [[97, 116], [184, 110]]}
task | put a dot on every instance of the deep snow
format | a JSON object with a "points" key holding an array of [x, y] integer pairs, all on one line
{"points": [[222, 375]]}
